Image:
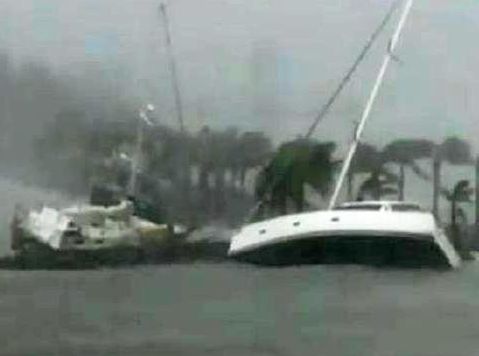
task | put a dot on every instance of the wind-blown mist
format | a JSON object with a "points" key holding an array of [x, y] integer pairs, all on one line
{"points": [[66, 135], [32, 99], [266, 65]]}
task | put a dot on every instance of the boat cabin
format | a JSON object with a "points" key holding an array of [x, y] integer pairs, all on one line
{"points": [[381, 206]]}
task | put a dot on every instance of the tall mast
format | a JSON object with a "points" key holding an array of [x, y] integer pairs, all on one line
{"points": [[336, 93], [372, 98], [184, 159], [136, 162], [172, 67]]}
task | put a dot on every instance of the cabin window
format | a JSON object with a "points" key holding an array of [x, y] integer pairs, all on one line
{"points": [[374, 207], [405, 207]]}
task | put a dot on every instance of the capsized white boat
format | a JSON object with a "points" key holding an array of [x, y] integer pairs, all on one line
{"points": [[372, 232]]}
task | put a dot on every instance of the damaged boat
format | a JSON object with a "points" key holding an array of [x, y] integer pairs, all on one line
{"points": [[90, 234], [116, 227]]}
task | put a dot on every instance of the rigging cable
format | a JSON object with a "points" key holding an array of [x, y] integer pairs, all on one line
{"points": [[342, 84]]}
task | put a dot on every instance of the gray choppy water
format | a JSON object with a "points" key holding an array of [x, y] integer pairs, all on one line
{"points": [[232, 309], [229, 309]]}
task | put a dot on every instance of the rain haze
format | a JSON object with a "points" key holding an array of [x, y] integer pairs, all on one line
{"points": [[266, 65]]}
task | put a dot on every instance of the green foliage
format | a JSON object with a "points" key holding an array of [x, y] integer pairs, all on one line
{"points": [[406, 151], [379, 184], [461, 192], [367, 159], [295, 164], [455, 151]]}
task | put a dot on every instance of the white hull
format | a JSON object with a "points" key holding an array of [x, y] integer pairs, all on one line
{"points": [[91, 228], [303, 238]]}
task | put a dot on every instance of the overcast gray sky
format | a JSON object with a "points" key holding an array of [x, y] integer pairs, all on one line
{"points": [[265, 64]]}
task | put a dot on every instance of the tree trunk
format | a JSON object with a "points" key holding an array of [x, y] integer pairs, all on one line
{"points": [[279, 200], [242, 174], [234, 177], [376, 186], [203, 183], [453, 211], [350, 185], [219, 191], [477, 195], [401, 183], [436, 185], [187, 173], [299, 197]]}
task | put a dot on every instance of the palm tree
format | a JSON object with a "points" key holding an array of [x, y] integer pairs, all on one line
{"points": [[477, 196], [454, 151], [379, 184], [366, 160], [204, 158], [253, 150], [223, 151], [296, 163], [379, 181], [404, 153], [167, 148], [460, 193]]}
